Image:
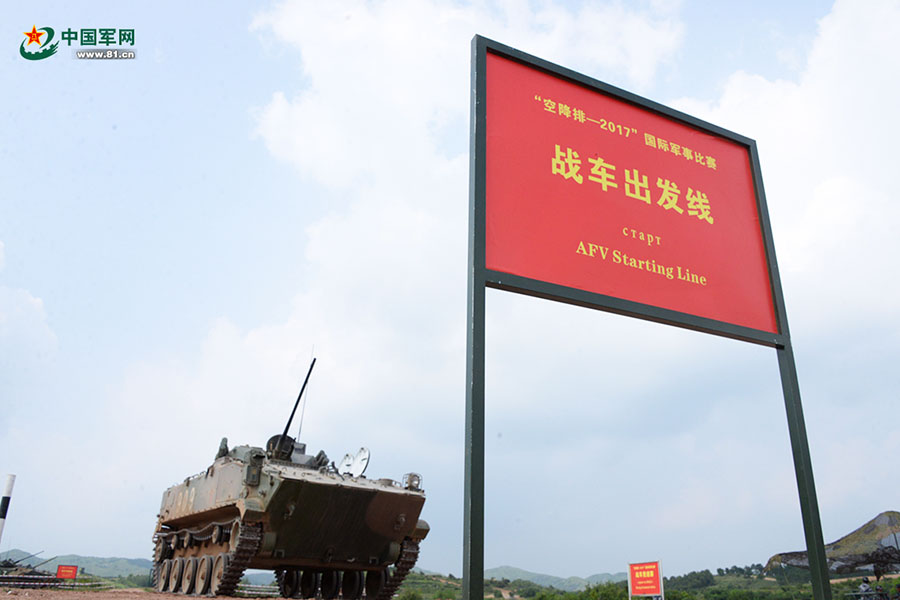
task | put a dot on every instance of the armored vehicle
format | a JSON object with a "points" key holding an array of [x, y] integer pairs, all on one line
{"points": [[323, 528], [11, 569], [14, 573]]}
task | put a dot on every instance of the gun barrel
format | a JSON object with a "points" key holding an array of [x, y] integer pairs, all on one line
{"points": [[45, 562], [26, 557]]}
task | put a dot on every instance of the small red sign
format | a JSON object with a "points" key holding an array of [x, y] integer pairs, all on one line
{"points": [[587, 191], [67, 572], [644, 579]]}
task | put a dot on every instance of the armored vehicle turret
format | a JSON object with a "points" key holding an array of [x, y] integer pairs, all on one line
{"points": [[322, 528]]}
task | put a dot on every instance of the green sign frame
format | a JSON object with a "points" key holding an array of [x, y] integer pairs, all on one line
{"points": [[480, 278]]}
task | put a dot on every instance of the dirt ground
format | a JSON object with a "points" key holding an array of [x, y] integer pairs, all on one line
{"points": [[50, 594]]}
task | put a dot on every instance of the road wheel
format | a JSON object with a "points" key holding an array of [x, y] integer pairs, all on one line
{"points": [[375, 581], [218, 573], [175, 572], [309, 581], [330, 584], [188, 577], [162, 575], [351, 585], [204, 572], [289, 584]]}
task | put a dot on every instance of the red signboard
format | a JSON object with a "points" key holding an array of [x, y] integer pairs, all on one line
{"points": [[588, 191], [67, 572], [644, 579], [583, 193]]}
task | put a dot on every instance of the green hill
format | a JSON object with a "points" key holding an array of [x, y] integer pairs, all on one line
{"points": [[568, 584], [607, 577], [95, 565], [121, 567], [873, 546]]}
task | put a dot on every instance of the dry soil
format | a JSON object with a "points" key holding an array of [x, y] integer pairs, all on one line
{"points": [[50, 594]]}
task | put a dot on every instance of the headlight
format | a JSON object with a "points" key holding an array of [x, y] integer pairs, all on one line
{"points": [[412, 481]]}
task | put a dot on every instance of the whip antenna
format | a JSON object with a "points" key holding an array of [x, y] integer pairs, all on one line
{"points": [[287, 426], [303, 410]]}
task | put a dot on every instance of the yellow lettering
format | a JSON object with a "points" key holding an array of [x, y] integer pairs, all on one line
{"points": [[642, 236], [601, 173], [698, 205], [636, 186], [581, 249], [566, 164]]}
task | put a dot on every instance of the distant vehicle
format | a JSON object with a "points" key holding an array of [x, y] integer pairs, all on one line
{"points": [[323, 528], [7, 565], [15, 574]]}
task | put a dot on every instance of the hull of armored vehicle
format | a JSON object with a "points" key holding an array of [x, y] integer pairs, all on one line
{"points": [[321, 531]]}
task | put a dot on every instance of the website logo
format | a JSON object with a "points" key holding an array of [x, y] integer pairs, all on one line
{"points": [[90, 42], [44, 48]]}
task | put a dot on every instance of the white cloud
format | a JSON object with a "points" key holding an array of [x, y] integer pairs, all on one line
{"points": [[386, 79], [26, 338], [386, 89], [826, 148], [28, 347], [826, 145]]}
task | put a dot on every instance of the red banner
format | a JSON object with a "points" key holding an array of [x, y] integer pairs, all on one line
{"points": [[67, 572], [644, 579], [590, 192]]}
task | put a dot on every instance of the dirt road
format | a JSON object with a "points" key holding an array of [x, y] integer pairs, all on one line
{"points": [[49, 594]]}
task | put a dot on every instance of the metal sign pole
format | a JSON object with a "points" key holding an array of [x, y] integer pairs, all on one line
{"points": [[473, 502], [4, 503], [473, 512], [809, 504], [662, 587]]}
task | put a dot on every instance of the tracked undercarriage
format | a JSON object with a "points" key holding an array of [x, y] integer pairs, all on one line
{"points": [[211, 561]]}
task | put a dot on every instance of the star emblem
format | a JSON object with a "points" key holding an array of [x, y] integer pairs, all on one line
{"points": [[34, 35]]}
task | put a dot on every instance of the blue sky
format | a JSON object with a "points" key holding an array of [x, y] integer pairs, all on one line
{"points": [[181, 231]]}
